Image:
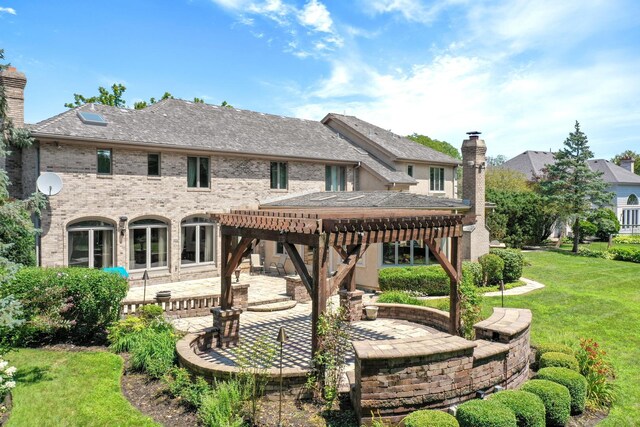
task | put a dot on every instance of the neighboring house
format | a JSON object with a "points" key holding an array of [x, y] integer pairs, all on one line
{"points": [[139, 185], [623, 182]]}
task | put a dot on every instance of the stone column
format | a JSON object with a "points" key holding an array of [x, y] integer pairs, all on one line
{"points": [[240, 293], [352, 303], [227, 324], [475, 237]]}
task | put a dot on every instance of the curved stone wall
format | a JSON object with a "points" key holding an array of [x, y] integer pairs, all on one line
{"points": [[422, 315]]}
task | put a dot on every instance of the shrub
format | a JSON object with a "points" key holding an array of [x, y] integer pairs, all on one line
{"points": [[554, 359], [399, 297], [553, 347], [151, 311], [481, 413], [587, 229], [124, 333], [556, 400], [66, 303], [154, 351], [181, 386], [627, 240], [431, 280], [513, 263], [597, 371], [474, 269], [470, 301], [593, 253], [622, 253], [430, 418], [527, 407], [573, 381], [492, 268], [6, 379], [223, 406], [606, 223]]}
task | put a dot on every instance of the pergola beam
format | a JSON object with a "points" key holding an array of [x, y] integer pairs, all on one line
{"points": [[300, 267]]}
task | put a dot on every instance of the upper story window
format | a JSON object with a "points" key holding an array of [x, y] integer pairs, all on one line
{"points": [[279, 176], [198, 172], [104, 161], [335, 178], [148, 244], [198, 241], [410, 170], [632, 200], [153, 164], [91, 244], [436, 179]]}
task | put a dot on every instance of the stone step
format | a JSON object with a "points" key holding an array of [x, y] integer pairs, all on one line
{"points": [[274, 306], [268, 301]]}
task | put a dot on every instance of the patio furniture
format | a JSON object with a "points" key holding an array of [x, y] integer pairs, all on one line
{"points": [[256, 264], [279, 265]]}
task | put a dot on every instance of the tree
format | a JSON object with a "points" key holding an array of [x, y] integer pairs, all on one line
{"points": [[114, 98], [498, 178], [144, 104], [629, 154], [496, 161], [226, 104], [441, 146], [572, 185], [606, 223]]}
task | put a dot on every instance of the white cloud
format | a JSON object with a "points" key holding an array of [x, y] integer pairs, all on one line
{"points": [[316, 16], [9, 10], [411, 10]]}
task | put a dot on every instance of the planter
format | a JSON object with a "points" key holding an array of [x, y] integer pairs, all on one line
{"points": [[5, 406], [163, 296], [371, 312]]}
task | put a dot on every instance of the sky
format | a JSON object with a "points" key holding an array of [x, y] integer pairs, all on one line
{"points": [[520, 71]]}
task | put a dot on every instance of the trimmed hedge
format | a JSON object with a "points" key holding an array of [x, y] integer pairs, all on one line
{"points": [[573, 381], [485, 413], [66, 303], [513, 263], [527, 407], [553, 359], [555, 397], [627, 240], [621, 253], [553, 347], [492, 269], [431, 280], [430, 418]]}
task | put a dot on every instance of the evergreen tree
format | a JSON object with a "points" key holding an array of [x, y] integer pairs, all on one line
{"points": [[572, 185]]}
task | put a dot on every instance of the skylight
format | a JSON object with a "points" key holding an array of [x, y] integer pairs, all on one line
{"points": [[92, 118]]}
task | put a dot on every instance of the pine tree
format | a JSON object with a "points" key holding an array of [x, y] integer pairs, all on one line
{"points": [[572, 185]]}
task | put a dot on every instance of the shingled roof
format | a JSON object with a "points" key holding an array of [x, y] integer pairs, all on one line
{"points": [[397, 146], [531, 163], [174, 123], [367, 199]]}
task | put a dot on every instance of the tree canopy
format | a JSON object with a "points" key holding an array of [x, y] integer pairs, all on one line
{"points": [[629, 154], [571, 184], [441, 146], [498, 178]]}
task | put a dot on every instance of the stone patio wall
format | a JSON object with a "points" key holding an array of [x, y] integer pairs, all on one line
{"points": [[422, 315]]}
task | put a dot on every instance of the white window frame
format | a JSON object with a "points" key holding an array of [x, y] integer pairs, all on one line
{"points": [[148, 228], [198, 225], [437, 179], [71, 228]]}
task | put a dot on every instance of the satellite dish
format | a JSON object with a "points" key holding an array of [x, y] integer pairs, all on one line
{"points": [[49, 183]]}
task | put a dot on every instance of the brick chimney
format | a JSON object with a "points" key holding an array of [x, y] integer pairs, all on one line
{"points": [[628, 163], [474, 168], [14, 82]]}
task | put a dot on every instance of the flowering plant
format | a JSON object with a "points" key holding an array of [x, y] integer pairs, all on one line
{"points": [[598, 371], [6, 378]]}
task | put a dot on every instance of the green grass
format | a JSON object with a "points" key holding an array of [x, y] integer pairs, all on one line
{"points": [[598, 246], [586, 298], [61, 388]]}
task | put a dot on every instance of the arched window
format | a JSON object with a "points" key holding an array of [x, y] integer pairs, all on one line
{"points": [[148, 244], [91, 244], [632, 200], [197, 241]]}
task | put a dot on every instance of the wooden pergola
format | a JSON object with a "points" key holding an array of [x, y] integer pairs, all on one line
{"points": [[350, 231]]}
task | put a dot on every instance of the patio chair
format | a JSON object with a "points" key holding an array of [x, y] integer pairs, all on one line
{"points": [[279, 265], [256, 264]]}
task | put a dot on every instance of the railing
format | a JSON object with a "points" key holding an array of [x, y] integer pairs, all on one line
{"points": [[190, 306]]}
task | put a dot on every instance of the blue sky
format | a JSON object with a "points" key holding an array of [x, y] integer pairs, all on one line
{"points": [[519, 71]]}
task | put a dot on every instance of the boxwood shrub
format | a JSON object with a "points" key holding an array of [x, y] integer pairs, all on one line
{"points": [[527, 407], [513, 263], [553, 347], [555, 397], [573, 381], [431, 280], [66, 303], [492, 269], [554, 359], [485, 413], [430, 418]]}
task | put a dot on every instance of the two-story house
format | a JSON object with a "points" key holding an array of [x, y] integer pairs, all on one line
{"points": [[139, 185]]}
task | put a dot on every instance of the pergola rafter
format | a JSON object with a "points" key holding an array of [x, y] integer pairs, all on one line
{"points": [[350, 231]]}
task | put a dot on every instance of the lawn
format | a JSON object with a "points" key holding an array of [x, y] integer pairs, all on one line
{"points": [[62, 388], [599, 246]]}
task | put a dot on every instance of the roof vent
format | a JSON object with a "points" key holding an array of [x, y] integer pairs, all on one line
{"points": [[92, 118]]}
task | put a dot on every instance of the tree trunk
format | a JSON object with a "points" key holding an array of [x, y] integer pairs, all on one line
{"points": [[576, 235]]}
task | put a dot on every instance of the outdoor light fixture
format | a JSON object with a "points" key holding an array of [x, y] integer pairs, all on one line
{"points": [[122, 224], [282, 338], [145, 277], [480, 394], [237, 274], [502, 291]]}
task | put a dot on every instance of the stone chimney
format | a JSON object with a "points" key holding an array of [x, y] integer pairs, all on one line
{"points": [[14, 82], [628, 163], [474, 168]]}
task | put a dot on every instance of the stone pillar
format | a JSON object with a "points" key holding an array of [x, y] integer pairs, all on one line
{"points": [[227, 324], [352, 303], [475, 237], [240, 293], [296, 290]]}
